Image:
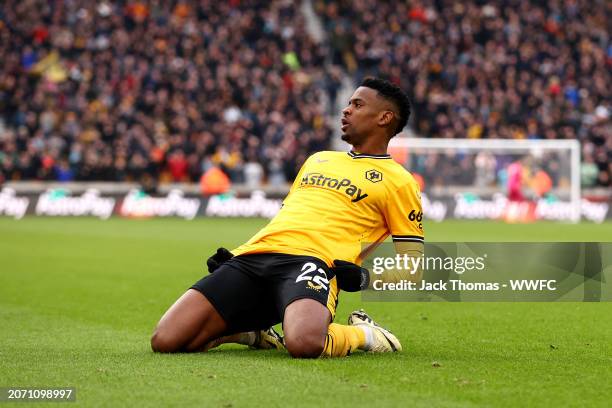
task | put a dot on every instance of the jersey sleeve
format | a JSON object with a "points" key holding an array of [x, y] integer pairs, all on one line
{"points": [[404, 214]]}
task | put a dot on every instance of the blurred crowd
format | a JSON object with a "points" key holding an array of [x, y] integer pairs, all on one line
{"points": [[490, 69], [541, 172], [162, 91], [159, 91]]}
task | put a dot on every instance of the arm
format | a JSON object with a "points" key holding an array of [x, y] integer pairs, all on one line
{"points": [[404, 216]]}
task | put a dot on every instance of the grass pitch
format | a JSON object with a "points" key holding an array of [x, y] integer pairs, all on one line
{"points": [[80, 297]]}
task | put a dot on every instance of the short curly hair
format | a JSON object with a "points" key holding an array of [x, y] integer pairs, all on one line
{"points": [[394, 94]]}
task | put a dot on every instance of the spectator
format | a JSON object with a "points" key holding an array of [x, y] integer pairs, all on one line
{"points": [[253, 173]]}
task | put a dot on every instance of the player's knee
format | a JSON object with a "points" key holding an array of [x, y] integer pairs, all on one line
{"points": [[305, 346], [163, 343]]}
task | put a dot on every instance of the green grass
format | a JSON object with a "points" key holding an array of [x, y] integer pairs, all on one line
{"points": [[80, 297]]}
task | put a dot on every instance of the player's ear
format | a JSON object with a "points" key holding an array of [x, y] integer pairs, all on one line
{"points": [[386, 118]]}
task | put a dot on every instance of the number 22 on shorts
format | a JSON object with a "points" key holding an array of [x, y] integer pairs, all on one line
{"points": [[319, 276]]}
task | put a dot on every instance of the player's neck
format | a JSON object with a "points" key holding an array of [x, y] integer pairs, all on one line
{"points": [[370, 146]]}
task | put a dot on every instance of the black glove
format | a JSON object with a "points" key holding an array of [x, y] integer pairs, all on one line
{"points": [[350, 277], [221, 256]]}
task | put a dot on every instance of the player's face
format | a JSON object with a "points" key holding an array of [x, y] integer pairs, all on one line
{"points": [[360, 117]]}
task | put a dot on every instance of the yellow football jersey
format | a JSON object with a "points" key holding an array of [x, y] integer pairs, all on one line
{"points": [[340, 206]]}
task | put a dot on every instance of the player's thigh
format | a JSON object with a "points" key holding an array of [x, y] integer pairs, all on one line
{"points": [[192, 315], [309, 299], [305, 278]]}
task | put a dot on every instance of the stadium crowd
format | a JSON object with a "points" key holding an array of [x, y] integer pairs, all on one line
{"points": [[158, 91], [489, 69]]}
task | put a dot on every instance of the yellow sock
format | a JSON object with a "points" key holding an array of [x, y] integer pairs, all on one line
{"points": [[342, 340]]}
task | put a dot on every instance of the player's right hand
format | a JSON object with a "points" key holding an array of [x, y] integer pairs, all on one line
{"points": [[350, 277], [217, 259]]}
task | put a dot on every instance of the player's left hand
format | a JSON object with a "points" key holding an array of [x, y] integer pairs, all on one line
{"points": [[350, 277], [217, 259]]}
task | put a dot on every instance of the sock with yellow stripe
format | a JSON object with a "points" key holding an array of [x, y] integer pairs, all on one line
{"points": [[342, 340]]}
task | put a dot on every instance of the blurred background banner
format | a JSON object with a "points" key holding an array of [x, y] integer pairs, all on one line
{"points": [[130, 201]]}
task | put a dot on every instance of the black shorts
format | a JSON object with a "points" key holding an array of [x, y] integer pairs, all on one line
{"points": [[251, 292]]}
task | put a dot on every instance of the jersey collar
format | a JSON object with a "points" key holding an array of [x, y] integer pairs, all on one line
{"points": [[356, 155]]}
